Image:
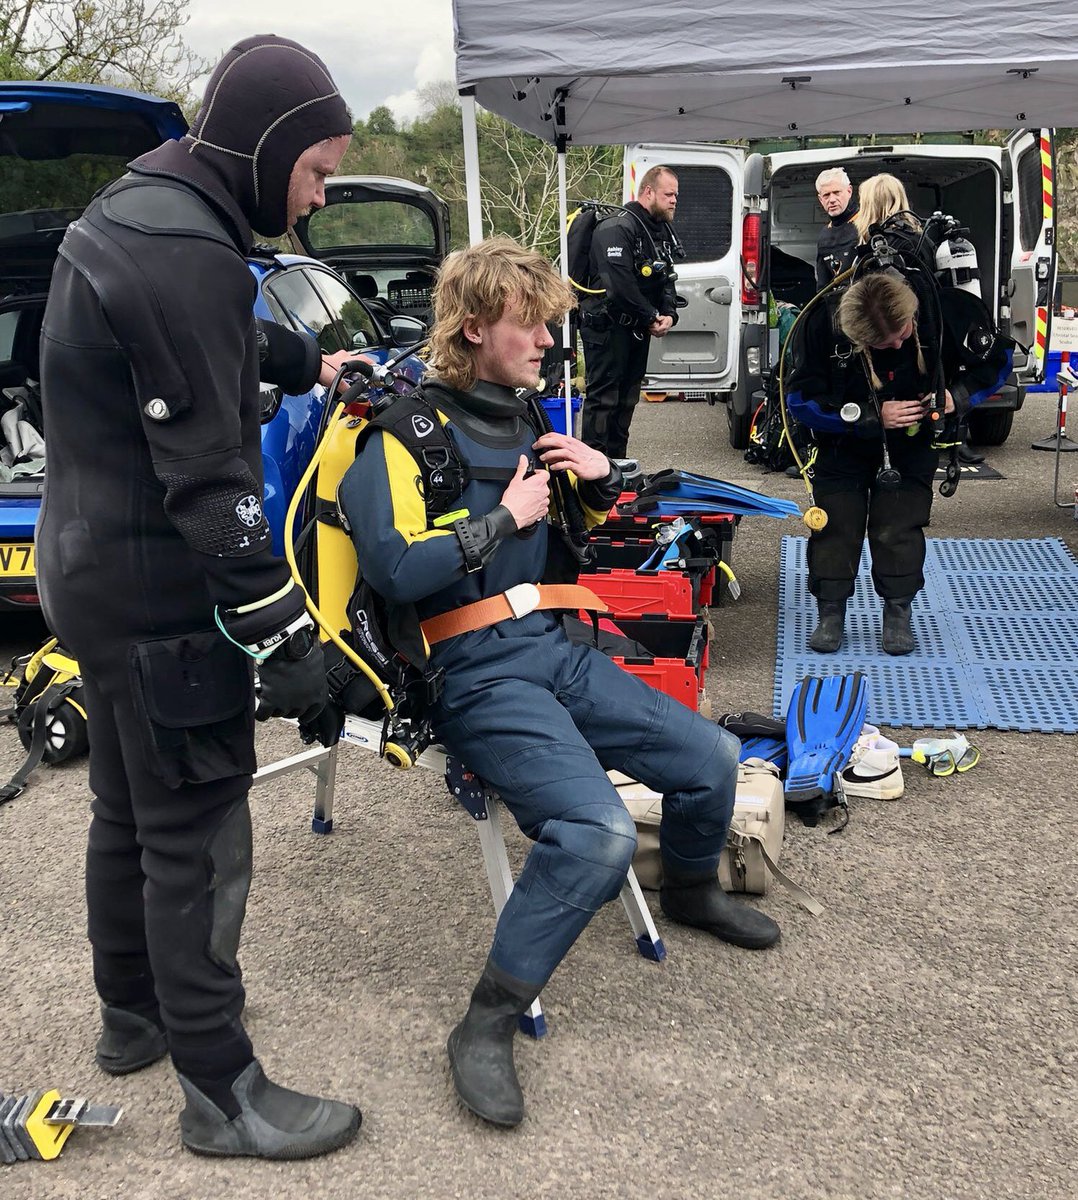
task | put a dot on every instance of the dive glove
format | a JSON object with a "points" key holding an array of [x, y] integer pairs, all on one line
{"points": [[326, 727], [279, 635], [292, 681]]}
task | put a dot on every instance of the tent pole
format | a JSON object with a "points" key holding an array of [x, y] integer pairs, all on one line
{"points": [[471, 165], [563, 240]]}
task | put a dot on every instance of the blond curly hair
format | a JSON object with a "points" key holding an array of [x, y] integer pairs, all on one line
{"points": [[478, 282]]}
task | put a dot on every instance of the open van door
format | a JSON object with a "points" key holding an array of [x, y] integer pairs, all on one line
{"points": [[1032, 245], [700, 353]]}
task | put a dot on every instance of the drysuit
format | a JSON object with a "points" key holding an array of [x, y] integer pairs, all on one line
{"points": [[957, 338], [154, 554], [835, 245], [614, 326], [540, 719]]}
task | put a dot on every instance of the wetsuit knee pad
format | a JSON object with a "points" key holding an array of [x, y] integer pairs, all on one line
{"points": [[707, 803], [583, 857], [229, 857]]}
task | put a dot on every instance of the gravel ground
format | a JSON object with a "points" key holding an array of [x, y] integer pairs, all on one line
{"points": [[917, 1039]]}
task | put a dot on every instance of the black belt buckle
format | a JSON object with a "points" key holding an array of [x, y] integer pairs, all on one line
{"points": [[339, 676]]}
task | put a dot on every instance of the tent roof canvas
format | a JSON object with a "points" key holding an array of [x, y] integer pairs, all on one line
{"points": [[609, 73]]}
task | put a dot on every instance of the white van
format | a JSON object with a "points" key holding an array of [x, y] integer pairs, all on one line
{"points": [[749, 224]]}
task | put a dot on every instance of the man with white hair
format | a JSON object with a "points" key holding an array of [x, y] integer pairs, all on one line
{"points": [[839, 236]]}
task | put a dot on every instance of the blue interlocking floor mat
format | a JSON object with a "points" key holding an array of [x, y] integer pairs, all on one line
{"points": [[995, 638]]}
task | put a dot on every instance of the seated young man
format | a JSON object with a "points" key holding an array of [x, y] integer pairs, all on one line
{"points": [[540, 719]]}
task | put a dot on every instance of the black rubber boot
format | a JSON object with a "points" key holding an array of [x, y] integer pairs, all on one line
{"points": [[897, 627], [827, 636], [481, 1048], [702, 903], [274, 1122], [128, 1041]]}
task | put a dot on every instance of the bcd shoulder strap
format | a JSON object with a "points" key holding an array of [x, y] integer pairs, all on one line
{"points": [[413, 419], [415, 423]]}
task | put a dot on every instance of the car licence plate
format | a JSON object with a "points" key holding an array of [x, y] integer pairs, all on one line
{"points": [[16, 559]]}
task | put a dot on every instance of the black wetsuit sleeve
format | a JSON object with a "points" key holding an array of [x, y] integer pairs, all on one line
{"points": [[290, 360], [612, 261], [599, 495], [823, 276], [668, 303]]}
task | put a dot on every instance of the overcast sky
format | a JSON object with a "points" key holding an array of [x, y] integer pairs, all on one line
{"points": [[378, 51]]}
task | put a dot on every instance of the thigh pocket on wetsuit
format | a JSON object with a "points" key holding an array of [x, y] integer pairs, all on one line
{"points": [[195, 699]]}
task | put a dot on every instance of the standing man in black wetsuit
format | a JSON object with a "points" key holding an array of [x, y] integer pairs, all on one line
{"points": [[632, 256], [839, 236], [156, 570]]}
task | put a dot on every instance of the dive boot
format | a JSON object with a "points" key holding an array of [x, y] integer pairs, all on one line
{"points": [[481, 1048], [273, 1121], [128, 1041], [897, 627], [701, 902], [827, 636]]}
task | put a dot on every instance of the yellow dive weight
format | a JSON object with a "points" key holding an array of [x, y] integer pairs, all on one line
{"points": [[815, 518]]}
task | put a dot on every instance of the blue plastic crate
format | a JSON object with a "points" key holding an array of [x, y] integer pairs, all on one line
{"points": [[555, 410]]}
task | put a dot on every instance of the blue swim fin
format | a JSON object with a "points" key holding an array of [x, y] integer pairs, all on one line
{"points": [[683, 486], [770, 749], [824, 720]]}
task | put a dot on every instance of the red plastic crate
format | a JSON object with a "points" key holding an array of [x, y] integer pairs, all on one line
{"points": [[717, 531], [631, 594], [681, 649]]}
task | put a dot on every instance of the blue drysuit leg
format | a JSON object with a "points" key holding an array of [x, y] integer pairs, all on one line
{"points": [[544, 741], [523, 743], [642, 732]]}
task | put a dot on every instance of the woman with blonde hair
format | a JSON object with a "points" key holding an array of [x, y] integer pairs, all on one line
{"points": [[882, 196], [866, 371]]}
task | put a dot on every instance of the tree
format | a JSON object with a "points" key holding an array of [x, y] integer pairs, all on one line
{"points": [[1066, 198], [128, 43], [442, 93], [381, 122], [519, 181]]}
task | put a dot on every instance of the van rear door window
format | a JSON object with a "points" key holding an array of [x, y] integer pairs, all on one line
{"points": [[705, 212], [1031, 197]]}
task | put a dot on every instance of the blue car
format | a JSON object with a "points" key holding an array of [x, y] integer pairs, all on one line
{"points": [[59, 145]]}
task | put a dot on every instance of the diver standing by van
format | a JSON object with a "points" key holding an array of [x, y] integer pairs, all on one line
{"points": [[629, 299], [839, 236]]}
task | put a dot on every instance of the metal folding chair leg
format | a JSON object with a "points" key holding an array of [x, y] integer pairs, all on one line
{"points": [[323, 763], [648, 941]]}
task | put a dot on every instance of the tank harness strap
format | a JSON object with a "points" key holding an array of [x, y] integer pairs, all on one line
{"points": [[515, 602]]}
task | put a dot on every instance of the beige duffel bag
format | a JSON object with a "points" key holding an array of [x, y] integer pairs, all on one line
{"points": [[753, 846]]}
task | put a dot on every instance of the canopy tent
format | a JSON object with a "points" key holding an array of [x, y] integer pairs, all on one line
{"points": [[598, 72], [608, 72]]}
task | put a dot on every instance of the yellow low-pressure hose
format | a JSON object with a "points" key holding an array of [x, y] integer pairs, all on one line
{"points": [[731, 579], [815, 517], [290, 556]]}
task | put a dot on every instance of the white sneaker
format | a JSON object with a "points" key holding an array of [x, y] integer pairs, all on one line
{"points": [[874, 769]]}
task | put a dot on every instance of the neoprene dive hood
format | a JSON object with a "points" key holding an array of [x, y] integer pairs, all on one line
{"points": [[268, 100]]}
